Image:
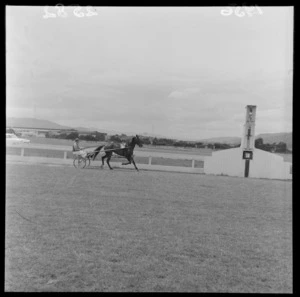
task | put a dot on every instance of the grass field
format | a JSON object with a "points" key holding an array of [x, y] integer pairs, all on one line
{"points": [[122, 230]]}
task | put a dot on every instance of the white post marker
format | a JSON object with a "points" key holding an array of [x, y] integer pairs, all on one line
{"points": [[248, 138], [150, 160], [22, 152]]}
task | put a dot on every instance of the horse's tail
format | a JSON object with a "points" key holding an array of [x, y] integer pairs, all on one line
{"points": [[97, 151]]}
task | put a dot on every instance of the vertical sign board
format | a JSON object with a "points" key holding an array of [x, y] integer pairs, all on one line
{"points": [[247, 156], [247, 165], [248, 137]]}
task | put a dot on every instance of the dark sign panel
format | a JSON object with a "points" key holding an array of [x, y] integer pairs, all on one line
{"points": [[247, 155]]}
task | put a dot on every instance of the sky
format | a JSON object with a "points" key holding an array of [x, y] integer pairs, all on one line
{"points": [[180, 72]]}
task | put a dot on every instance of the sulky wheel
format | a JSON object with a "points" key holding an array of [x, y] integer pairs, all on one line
{"points": [[79, 163]]}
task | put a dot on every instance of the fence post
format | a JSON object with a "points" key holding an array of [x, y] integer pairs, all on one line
{"points": [[22, 152], [65, 155], [193, 163], [150, 160]]}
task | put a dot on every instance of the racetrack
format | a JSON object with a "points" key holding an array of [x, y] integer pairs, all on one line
{"points": [[122, 230]]}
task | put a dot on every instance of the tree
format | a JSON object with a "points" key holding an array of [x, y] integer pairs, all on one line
{"points": [[267, 147], [221, 146], [281, 147], [10, 130], [154, 141], [200, 145], [189, 144], [100, 136], [115, 138], [87, 137], [259, 142], [146, 140], [62, 136], [72, 135], [179, 143]]}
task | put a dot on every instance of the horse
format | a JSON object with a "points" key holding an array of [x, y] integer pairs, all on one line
{"points": [[116, 148]]}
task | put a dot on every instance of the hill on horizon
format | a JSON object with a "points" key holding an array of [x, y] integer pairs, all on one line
{"points": [[286, 137], [33, 123], [270, 138], [45, 124], [227, 140]]}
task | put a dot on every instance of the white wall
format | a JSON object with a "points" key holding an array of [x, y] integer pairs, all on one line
{"points": [[264, 164], [227, 162], [268, 165]]}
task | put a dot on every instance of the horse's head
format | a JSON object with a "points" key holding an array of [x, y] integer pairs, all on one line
{"points": [[138, 141]]}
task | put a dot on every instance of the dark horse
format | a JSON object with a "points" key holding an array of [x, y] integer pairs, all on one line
{"points": [[116, 148]]}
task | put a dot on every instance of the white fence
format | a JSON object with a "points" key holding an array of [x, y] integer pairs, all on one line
{"points": [[137, 153]]}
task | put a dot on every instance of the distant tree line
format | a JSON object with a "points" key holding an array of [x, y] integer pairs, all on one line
{"points": [[10, 130], [280, 147], [74, 134], [190, 144], [171, 142], [116, 138]]}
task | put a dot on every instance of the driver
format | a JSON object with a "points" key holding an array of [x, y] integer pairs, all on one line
{"points": [[77, 150]]}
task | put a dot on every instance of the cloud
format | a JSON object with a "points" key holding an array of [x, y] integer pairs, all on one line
{"points": [[185, 93], [145, 67]]}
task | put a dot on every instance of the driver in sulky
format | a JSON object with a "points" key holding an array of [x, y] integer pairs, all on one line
{"points": [[77, 150]]}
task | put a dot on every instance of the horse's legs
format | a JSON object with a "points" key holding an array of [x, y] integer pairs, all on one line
{"points": [[134, 163], [108, 159], [129, 161], [105, 156]]}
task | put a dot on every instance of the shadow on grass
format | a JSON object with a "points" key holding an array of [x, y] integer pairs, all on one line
{"points": [[114, 168], [140, 170]]}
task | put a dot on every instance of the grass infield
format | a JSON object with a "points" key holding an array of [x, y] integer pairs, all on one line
{"points": [[122, 230]]}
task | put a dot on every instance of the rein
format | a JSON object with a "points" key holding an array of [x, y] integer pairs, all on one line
{"points": [[130, 145], [121, 148]]}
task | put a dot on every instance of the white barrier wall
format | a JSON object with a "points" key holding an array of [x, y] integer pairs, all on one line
{"points": [[227, 162], [268, 165], [264, 164]]}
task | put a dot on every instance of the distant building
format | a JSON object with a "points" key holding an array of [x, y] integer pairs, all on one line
{"points": [[97, 135], [36, 132], [42, 132]]}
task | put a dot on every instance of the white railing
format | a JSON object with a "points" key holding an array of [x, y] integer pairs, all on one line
{"points": [[138, 153]]}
